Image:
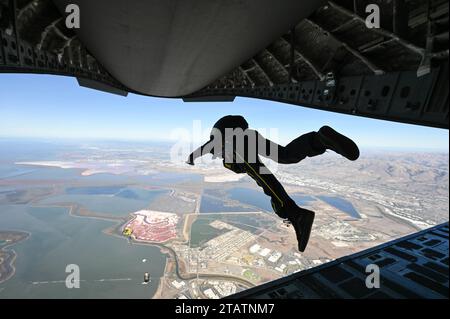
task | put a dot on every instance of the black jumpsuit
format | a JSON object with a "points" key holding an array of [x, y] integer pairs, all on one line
{"points": [[248, 162]]}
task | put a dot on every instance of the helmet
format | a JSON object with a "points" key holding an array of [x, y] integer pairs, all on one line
{"points": [[229, 121]]}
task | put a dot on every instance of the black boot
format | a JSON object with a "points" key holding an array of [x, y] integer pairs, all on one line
{"points": [[337, 142], [302, 221]]}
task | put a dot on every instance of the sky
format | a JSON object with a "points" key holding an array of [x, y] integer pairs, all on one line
{"points": [[46, 106]]}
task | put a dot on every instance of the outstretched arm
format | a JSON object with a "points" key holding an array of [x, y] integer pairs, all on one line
{"points": [[200, 151]]}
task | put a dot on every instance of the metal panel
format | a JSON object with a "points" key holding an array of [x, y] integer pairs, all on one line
{"points": [[10, 49], [376, 93], [411, 95], [2, 58], [348, 92], [307, 92], [26, 55], [319, 97], [438, 106], [396, 96], [100, 87]]}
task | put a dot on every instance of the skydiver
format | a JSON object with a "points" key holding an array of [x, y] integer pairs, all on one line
{"points": [[239, 147]]}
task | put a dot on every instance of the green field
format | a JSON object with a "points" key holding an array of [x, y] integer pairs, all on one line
{"points": [[201, 232], [250, 275]]}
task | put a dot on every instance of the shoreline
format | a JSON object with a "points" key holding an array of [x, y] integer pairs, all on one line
{"points": [[11, 255]]}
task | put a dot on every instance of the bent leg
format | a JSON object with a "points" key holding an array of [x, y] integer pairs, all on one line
{"points": [[306, 145], [280, 200]]}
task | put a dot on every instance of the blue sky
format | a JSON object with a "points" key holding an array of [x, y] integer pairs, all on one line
{"points": [[44, 106]]}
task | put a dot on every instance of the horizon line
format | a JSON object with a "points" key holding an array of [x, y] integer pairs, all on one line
{"points": [[161, 140]]}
